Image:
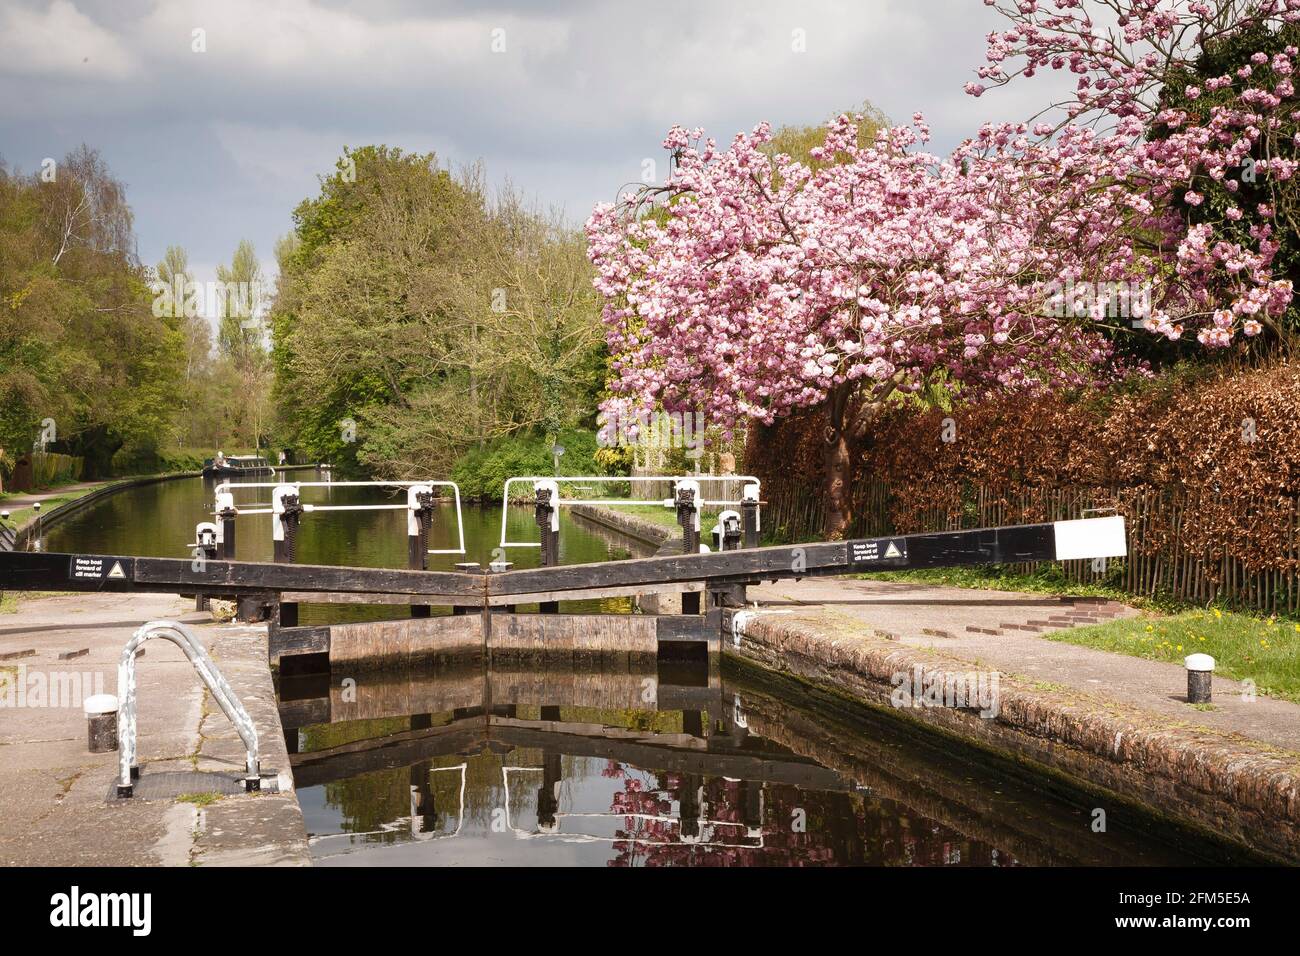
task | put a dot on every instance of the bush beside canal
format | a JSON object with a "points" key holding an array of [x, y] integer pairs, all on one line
{"points": [[482, 472], [1204, 463], [162, 461]]}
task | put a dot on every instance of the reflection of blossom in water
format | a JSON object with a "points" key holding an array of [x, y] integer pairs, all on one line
{"points": [[840, 831]]}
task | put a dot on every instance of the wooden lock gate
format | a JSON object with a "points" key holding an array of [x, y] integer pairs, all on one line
{"points": [[491, 597]]}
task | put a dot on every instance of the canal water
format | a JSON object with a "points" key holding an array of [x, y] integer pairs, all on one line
{"points": [[667, 765], [620, 764]]}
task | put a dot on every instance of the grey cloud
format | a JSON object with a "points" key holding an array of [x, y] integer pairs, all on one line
{"points": [[222, 145]]}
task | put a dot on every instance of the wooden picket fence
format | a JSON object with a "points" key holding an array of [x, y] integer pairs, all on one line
{"points": [[1160, 563]]}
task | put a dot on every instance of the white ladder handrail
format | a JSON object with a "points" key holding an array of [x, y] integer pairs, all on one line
{"points": [[230, 705]]}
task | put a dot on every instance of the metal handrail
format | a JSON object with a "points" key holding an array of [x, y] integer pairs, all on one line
{"points": [[230, 705], [227, 487], [615, 502]]}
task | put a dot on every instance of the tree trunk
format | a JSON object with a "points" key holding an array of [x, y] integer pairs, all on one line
{"points": [[837, 467]]}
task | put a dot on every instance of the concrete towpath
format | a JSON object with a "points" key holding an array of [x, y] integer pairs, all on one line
{"points": [[54, 794], [1004, 630], [19, 500]]}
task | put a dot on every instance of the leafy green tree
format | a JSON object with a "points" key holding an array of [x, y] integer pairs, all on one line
{"points": [[245, 369], [198, 415], [797, 141], [415, 317], [79, 340]]}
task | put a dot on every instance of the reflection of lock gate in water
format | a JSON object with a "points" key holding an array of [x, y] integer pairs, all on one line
{"points": [[716, 747], [694, 827], [417, 824]]}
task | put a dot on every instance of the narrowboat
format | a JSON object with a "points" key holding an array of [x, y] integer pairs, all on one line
{"points": [[227, 466]]}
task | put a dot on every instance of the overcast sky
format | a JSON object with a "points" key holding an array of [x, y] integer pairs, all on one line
{"points": [[220, 145]]}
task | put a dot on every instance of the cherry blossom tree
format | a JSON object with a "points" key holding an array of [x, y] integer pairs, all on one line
{"points": [[751, 285], [1200, 125], [748, 286]]}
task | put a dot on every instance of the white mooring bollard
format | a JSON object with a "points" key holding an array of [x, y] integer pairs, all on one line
{"points": [[1200, 673], [101, 722]]}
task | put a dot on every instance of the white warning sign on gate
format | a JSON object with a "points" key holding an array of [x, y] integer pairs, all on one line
{"points": [[878, 551], [90, 568]]}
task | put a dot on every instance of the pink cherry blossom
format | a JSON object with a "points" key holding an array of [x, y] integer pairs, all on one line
{"points": [[761, 285], [1121, 76]]}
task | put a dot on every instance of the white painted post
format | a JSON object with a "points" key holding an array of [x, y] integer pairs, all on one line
{"points": [[206, 535], [101, 721], [730, 523], [686, 497], [226, 512], [546, 496], [283, 546], [419, 504], [278, 494], [1200, 675]]}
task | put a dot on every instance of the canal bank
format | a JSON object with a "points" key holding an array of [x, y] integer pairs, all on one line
{"points": [[1237, 781], [649, 533], [56, 805], [70, 499]]}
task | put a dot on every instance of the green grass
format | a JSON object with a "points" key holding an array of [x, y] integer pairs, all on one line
{"points": [[1244, 647], [199, 799], [668, 518], [8, 603]]}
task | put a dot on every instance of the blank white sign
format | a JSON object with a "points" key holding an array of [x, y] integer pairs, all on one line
{"points": [[1091, 538]]}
